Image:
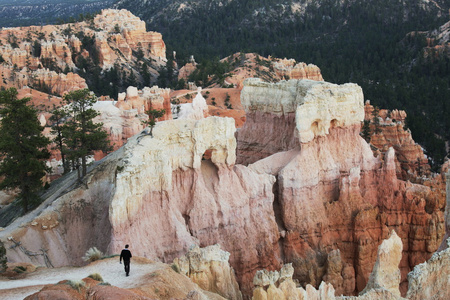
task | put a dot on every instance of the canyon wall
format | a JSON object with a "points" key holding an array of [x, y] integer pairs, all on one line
{"points": [[157, 194], [428, 280], [315, 196], [411, 163], [331, 192], [53, 58]]}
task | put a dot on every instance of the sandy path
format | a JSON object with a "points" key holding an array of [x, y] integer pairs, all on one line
{"points": [[109, 269]]}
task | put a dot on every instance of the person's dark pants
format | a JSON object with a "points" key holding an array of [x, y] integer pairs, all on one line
{"points": [[126, 263]]}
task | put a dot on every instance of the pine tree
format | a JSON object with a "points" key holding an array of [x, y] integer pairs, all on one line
{"points": [[376, 119], [22, 147], [365, 130], [59, 116], [81, 135], [153, 114], [3, 259]]}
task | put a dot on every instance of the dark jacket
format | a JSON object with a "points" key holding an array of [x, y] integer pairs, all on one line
{"points": [[126, 255]]}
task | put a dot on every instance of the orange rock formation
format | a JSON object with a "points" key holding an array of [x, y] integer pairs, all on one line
{"points": [[410, 160]]}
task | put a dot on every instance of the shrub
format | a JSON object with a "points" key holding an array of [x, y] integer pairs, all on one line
{"points": [[76, 285], [96, 276], [92, 254], [20, 269], [175, 268]]}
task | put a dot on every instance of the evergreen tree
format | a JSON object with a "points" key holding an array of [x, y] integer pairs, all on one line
{"points": [[59, 116], [3, 259], [376, 119], [81, 135], [22, 147], [365, 130], [153, 115]]}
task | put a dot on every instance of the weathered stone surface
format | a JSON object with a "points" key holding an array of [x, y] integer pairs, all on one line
{"points": [[133, 31], [290, 69], [271, 286], [189, 200], [346, 198], [411, 162], [298, 206], [209, 268], [196, 110], [298, 110], [56, 83], [431, 279], [386, 274]]}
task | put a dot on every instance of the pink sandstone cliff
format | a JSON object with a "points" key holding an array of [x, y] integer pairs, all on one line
{"points": [[427, 281], [345, 198], [321, 201]]}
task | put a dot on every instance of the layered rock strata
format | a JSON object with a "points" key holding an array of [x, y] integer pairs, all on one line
{"points": [[114, 38], [209, 268], [42, 79], [319, 199], [157, 194], [428, 280], [290, 69], [411, 163], [297, 112], [328, 178]]}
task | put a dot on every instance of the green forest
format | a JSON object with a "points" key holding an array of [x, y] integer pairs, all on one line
{"points": [[366, 42]]}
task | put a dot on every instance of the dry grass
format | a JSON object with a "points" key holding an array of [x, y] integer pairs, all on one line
{"points": [[76, 285], [96, 276], [93, 254]]}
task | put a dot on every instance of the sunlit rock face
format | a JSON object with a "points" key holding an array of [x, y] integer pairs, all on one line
{"points": [[331, 192], [318, 198], [282, 115], [209, 268], [158, 195]]}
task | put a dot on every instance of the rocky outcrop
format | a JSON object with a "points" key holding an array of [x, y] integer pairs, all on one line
{"points": [[346, 198], [114, 39], [411, 163], [42, 79], [145, 99], [196, 110], [274, 285], [189, 200], [300, 109], [129, 35], [429, 280], [320, 201], [290, 69], [187, 70], [209, 268], [385, 274]]}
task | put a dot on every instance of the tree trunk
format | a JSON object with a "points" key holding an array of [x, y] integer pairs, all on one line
{"points": [[83, 165]]}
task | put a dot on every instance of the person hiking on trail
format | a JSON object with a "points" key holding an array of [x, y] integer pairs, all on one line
{"points": [[126, 255]]}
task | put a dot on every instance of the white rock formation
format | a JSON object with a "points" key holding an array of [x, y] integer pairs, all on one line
{"points": [[210, 269], [195, 110], [431, 279], [386, 274], [318, 105], [177, 144]]}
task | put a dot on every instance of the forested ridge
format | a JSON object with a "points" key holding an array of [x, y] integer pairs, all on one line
{"points": [[378, 44], [366, 42]]}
